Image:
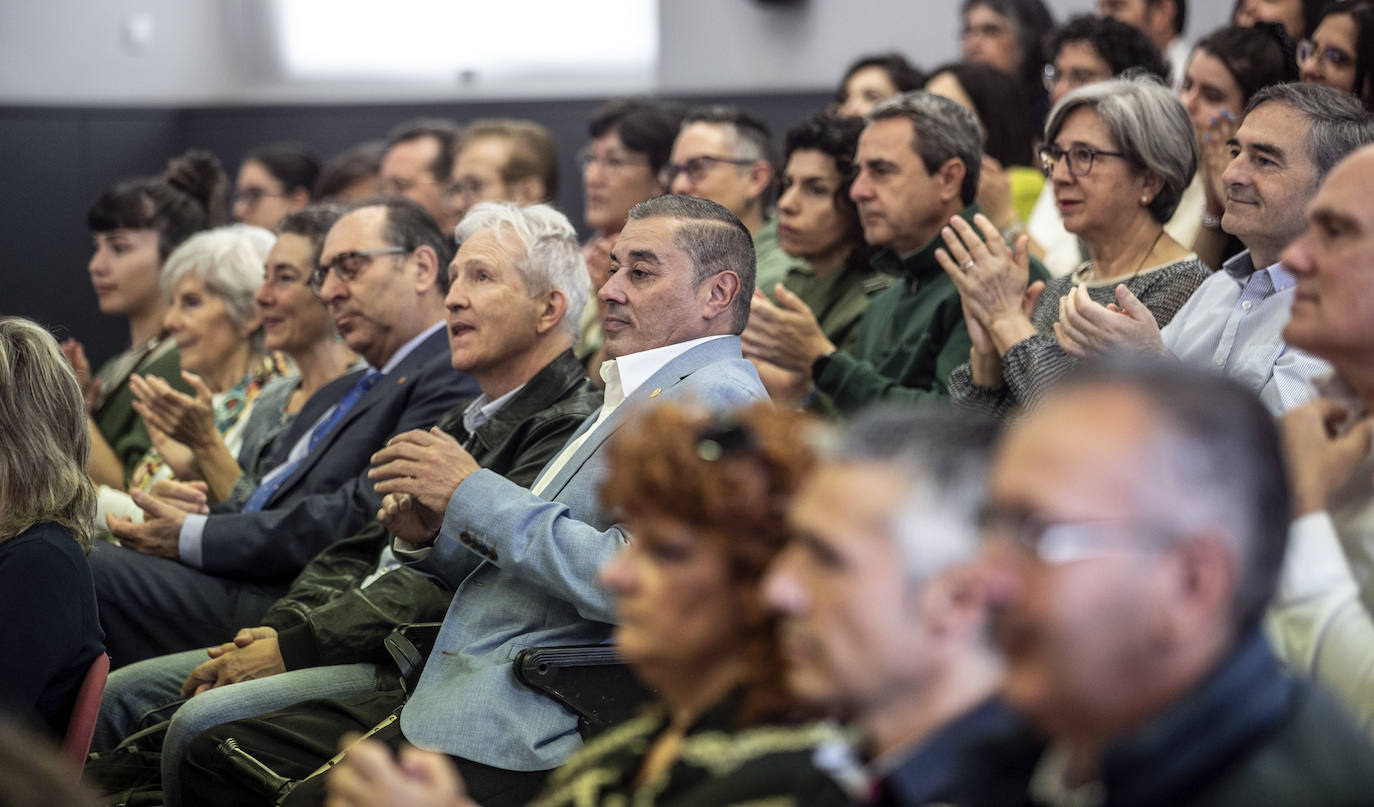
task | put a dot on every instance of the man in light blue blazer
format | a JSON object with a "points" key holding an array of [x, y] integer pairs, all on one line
{"points": [[524, 562]]}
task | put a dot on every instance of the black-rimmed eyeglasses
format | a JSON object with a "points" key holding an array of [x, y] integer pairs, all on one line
{"points": [[347, 265], [1080, 158], [696, 168]]}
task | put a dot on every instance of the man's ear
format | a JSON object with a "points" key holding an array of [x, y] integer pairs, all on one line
{"points": [[758, 176], [528, 191], [949, 177], [722, 288], [427, 269], [553, 307], [1204, 583]]}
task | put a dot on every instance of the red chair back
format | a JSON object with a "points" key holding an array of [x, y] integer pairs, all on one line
{"points": [[81, 727]]}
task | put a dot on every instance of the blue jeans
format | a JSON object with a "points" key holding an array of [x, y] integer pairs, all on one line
{"points": [[148, 692]]}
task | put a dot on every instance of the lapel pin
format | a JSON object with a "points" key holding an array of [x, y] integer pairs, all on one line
{"points": [[400, 381], [656, 391]]}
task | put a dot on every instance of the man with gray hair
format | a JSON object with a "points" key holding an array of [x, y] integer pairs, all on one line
{"points": [[880, 618], [1135, 530], [1289, 138], [513, 292], [919, 158], [524, 561]]}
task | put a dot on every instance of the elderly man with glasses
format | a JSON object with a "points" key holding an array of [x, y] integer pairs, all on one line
{"points": [[201, 573], [1135, 531]]}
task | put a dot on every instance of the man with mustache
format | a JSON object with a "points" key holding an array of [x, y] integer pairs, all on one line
{"points": [[196, 578], [1290, 137]]}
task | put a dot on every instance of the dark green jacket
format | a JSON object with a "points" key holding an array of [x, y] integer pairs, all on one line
{"points": [[121, 427], [910, 338], [328, 618]]}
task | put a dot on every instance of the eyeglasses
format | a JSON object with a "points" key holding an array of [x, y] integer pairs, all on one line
{"points": [[1080, 158], [1332, 57], [347, 265], [696, 168], [1056, 543], [466, 189], [987, 30], [1072, 78], [397, 186], [251, 196], [611, 163]]}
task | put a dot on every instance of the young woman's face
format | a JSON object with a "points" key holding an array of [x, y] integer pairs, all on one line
{"points": [[1209, 90], [124, 271], [1331, 54]]}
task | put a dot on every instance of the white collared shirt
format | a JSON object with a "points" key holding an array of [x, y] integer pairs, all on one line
{"points": [[622, 376]]}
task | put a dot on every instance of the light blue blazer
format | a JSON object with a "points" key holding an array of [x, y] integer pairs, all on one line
{"points": [[524, 572]]}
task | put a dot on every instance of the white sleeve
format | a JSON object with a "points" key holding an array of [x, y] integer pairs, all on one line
{"points": [[1317, 622]]}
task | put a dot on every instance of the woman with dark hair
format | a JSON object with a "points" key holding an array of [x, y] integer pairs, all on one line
{"points": [[51, 632], [631, 140], [1225, 68], [818, 227], [351, 176], [1299, 18], [1009, 35], [274, 180], [705, 499], [870, 79], [1008, 184], [136, 226], [1340, 51]]}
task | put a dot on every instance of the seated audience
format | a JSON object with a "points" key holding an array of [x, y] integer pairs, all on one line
{"points": [[527, 560], [1085, 50], [1289, 138], [918, 162], [818, 225], [515, 281], [136, 225], [498, 160], [1007, 35], [1223, 73], [1136, 528], [209, 282], [418, 163], [1340, 51], [51, 631], [294, 323], [1321, 617], [352, 176], [1119, 154], [880, 619], [1007, 184], [705, 500], [273, 181], [874, 78], [1298, 17], [726, 155], [1162, 21], [197, 578], [630, 140]]}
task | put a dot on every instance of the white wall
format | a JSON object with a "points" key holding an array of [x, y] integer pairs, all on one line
{"points": [[220, 51]]}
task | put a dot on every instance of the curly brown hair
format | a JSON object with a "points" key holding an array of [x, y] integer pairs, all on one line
{"points": [[731, 478]]}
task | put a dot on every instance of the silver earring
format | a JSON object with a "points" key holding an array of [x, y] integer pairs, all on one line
{"points": [[1144, 200]]}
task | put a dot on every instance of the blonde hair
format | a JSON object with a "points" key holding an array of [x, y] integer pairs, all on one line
{"points": [[44, 436]]}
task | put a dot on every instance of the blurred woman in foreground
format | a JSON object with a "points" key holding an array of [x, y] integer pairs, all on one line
{"points": [[704, 499]]}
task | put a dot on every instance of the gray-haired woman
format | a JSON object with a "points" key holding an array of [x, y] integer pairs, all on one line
{"points": [[209, 282], [1120, 154], [51, 630]]}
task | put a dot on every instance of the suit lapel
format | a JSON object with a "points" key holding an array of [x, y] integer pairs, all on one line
{"points": [[667, 377]]}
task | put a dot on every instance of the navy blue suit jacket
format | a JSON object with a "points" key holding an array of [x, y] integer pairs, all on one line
{"points": [[328, 496]]}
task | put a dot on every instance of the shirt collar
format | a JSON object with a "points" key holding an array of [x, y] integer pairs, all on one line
{"points": [[626, 374], [1242, 266], [405, 350], [482, 408]]}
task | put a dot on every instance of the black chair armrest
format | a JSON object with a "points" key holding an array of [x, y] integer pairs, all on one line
{"points": [[409, 646], [592, 681]]}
